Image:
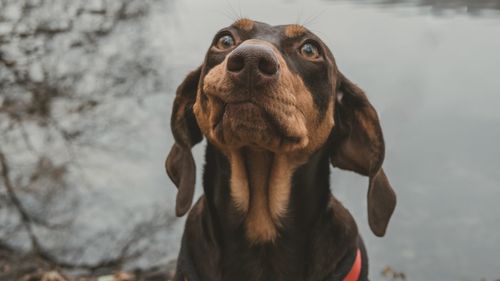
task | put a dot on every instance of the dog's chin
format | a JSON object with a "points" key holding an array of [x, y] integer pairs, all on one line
{"points": [[245, 124]]}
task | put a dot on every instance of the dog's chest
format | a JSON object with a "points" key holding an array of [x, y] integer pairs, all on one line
{"points": [[265, 263]]}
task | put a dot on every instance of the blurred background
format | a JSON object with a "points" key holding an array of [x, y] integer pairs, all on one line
{"points": [[86, 88]]}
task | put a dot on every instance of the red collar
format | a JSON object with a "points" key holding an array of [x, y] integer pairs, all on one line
{"points": [[355, 271]]}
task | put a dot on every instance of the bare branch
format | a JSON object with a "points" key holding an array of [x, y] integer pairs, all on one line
{"points": [[23, 214]]}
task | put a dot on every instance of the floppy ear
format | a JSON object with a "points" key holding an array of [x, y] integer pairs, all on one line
{"points": [[180, 164], [358, 146]]}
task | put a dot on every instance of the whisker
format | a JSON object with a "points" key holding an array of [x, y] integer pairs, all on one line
{"points": [[235, 15], [311, 19]]}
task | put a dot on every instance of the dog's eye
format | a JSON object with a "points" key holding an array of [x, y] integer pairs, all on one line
{"points": [[225, 42], [310, 51]]}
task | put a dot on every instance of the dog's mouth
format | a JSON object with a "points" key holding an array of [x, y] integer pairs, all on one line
{"points": [[250, 123]]}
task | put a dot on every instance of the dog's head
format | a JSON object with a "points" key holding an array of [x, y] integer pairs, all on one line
{"points": [[278, 89]]}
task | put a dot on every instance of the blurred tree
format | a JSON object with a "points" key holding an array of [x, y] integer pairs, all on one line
{"points": [[58, 89]]}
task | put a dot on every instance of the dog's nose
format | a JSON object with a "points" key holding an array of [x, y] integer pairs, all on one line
{"points": [[252, 65]]}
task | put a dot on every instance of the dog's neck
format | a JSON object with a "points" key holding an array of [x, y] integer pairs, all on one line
{"points": [[264, 198], [314, 233]]}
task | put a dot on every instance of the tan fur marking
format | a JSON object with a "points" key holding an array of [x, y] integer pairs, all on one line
{"points": [[239, 182], [260, 226], [294, 30], [279, 187], [244, 23]]}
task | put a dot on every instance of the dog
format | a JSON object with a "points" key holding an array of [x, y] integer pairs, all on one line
{"points": [[276, 112]]}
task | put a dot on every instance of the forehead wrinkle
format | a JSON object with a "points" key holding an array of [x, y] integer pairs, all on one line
{"points": [[244, 23], [295, 30]]}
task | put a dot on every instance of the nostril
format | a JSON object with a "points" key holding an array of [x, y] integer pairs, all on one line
{"points": [[235, 63], [268, 66]]}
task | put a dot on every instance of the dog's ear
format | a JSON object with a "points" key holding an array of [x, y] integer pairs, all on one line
{"points": [[358, 146], [180, 164]]}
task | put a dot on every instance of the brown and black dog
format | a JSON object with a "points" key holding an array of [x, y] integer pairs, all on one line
{"points": [[275, 111]]}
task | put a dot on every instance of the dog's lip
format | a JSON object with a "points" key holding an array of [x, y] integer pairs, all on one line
{"points": [[217, 127], [220, 114]]}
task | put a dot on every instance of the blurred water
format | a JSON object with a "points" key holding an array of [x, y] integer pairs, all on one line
{"points": [[432, 70]]}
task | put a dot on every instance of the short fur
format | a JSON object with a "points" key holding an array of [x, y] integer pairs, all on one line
{"points": [[295, 30]]}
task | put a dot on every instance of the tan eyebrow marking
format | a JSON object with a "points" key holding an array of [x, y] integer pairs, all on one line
{"points": [[244, 23], [294, 30]]}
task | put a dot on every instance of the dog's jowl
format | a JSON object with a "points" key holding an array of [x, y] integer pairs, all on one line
{"points": [[276, 113]]}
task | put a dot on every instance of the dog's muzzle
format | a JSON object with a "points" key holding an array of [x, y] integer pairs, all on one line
{"points": [[252, 98]]}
